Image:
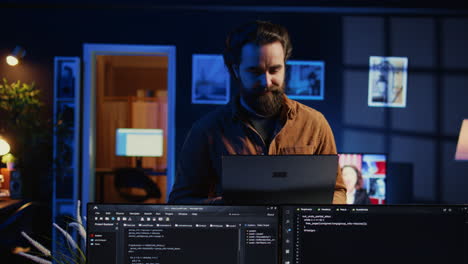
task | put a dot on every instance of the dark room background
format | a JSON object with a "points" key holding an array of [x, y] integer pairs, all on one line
{"points": [[423, 134]]}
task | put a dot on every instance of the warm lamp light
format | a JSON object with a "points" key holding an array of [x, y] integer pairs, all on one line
{"points": [[14, 58], [4, 147], [462, 146], [12, 61]]}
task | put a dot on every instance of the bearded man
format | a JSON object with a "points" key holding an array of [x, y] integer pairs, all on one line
{"points": [[261, 120]]}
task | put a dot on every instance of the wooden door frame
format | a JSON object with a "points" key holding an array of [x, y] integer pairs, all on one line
{"points": [[88, 147]]}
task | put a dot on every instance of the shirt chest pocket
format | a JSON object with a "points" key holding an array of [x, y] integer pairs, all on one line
{"points": [[299, 150]]}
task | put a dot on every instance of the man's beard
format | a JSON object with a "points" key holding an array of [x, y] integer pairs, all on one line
{"points": [[265, 101]]}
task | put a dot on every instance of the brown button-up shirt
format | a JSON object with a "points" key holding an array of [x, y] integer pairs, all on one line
{"points": [[226, 131]]}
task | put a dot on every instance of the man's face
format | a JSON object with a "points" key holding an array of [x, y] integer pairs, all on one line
{"points": [[261, 72], [349, 178]]}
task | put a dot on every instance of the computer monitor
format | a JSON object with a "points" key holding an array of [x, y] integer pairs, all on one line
{"points": [[176, 234], [289, 234], [373, 168], [370, 234], [136, 142]]}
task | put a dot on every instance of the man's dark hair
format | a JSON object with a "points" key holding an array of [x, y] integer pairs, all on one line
{"points": [[256, 32]]}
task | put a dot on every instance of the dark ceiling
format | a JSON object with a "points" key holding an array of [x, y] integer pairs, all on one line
{"points": [[416, 4]]}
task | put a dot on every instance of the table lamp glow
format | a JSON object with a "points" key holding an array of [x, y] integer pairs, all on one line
{"points": [[462, 146], [4, 147]]}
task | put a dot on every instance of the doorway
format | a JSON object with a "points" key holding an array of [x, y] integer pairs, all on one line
{"points": [[126, 86]]}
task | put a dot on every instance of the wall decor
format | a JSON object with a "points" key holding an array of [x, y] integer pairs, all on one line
{"points": [[210, 79], [305, 80], [387, 81]]}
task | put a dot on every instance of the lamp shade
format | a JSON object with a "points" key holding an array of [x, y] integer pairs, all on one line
{"points": [[462, 146], [4, 147]]}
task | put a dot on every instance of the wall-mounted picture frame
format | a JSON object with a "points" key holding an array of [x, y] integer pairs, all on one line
{"points": [[64, 142], [210, 79], [387, 81], [66, 76], [66, 83], [305, 80]]}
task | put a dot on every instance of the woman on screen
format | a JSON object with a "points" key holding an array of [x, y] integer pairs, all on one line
{"points": [[352, 177]]}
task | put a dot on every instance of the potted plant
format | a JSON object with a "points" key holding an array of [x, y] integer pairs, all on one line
{"points": [[27, 125], [9, 160], [20, 115], [69, 252]]}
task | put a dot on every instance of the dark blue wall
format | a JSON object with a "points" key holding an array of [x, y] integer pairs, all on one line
{"points": [[342, 38]]}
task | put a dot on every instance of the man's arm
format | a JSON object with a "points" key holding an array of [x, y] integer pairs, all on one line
{"points": [[194, 174], [327, 146]]}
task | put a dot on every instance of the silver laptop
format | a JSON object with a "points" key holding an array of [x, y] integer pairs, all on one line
{"points": [[279, 179]]}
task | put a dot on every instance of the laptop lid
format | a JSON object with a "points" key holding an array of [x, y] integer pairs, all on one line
{"points": [[179, 234], [279, 179]]}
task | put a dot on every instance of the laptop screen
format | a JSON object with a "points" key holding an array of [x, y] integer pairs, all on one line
{"points": [[172, 234], [375, 234]]}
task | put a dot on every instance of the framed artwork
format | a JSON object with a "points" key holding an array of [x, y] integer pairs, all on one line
{"points": [[387, 81], [305, 80], [67, 81], [64, 180], [210, 79], [65, 145], [65, 135], [66, 76]]}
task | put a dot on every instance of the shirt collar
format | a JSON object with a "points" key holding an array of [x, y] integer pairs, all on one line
{"points": [[238, 112]]}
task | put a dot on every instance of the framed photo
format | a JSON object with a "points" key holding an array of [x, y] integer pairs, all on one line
{"points": [[66, 112], [64, 135], [305, 80], [66, 125], [210, 79], [67, 70], [387, 81], [64, 180]]}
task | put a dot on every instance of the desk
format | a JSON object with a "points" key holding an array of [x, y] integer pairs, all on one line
{"points": [[105, 191], [7, 208], [6, 204]]}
